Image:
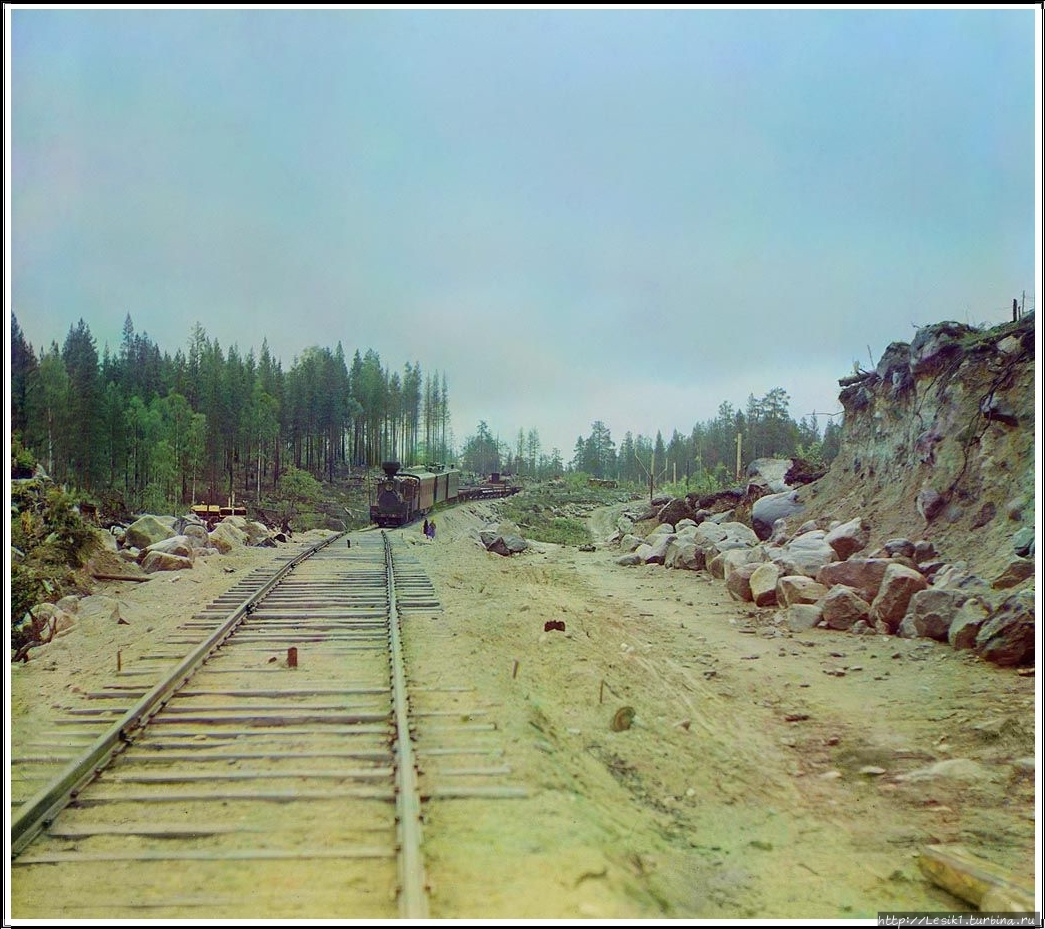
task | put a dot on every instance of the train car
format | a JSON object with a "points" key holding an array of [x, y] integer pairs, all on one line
{"points": [[497, 485], [212, 513], [407, 494]]}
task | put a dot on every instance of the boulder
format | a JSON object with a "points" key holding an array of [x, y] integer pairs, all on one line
{"points": [[99, 608], [800, 616], [507, 544], [1007, 638], [146, 531], [225, 536], [797, 588], [162, 561], [924, 551], [714, 538], [684, 554], [899, 584], [862, 574], [848, 538], [662, 529], [763, 584], [723, 564], [674, 512], [805, 554], [841, 608], [197, 535], [1023, 542], [929, 502], [738, 581], [643, 551], [658, 544], [180, 545], [1016, 572], [893, 547], [770, 473], [768, 509], [931, 612], [965, 626]]}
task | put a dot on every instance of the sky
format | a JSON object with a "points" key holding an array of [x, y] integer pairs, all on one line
{"points": [[576, 215]]}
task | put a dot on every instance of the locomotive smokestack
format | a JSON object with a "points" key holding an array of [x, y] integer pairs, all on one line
{"points": [[390, 468]]}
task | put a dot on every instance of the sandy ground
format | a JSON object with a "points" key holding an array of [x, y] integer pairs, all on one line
{"points": [[764, 774]]}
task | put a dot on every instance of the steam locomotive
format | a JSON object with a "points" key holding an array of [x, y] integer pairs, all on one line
{"points": [[407, 494]]}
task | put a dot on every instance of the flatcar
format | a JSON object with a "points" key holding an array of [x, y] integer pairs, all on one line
{"points": [[407, 494], [497, 485]]}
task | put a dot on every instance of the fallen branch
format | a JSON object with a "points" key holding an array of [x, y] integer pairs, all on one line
{"points": [[120, 577]]}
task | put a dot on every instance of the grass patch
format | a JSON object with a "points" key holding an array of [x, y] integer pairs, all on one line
{"points": [[556, 512]]}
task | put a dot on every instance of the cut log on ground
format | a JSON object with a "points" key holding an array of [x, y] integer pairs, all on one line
{"points": [[981, 883]]}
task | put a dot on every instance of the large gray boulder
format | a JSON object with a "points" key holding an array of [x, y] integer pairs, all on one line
{"points": [[146, 531], [226, 536], [162, 561], [770, 473], [507, 544], [967, 622], [180, 545], [1007, 638], [805, 554], [800, 616], [797, 588], [685, 554], [768, 509], [724, 563], [931, 612]]}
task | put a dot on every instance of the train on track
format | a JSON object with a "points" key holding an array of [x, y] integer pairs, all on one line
{"points": [[406, 494]]}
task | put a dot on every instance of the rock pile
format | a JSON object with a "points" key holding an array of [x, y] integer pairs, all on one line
{"points": [[824, 576], [169, 543], [503, 538]]}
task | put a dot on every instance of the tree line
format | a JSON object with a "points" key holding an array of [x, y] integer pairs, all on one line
{"points": [[203, 425], [706, 459]]}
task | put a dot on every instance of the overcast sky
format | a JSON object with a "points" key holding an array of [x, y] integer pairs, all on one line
{"points": [[625, 215]]}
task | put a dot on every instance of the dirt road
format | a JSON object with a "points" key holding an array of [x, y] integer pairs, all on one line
{"points": [[762, 774]]}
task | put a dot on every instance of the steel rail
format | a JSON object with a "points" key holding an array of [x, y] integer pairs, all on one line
{"points": [[413, 899], [34, 814]]}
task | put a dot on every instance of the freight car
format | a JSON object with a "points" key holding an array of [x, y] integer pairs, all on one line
{"points": [[404, 495], [497, 485]]}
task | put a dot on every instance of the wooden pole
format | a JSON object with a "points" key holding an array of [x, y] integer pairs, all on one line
{"points": [[738, 456]]}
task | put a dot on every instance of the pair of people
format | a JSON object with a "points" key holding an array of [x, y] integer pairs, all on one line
{"points": [[429, 529]]}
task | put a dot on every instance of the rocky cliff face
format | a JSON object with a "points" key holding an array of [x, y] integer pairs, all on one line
{"points": [[938, 443]]}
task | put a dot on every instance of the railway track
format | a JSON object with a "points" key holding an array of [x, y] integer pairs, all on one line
{"points": [[278, 768]]}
